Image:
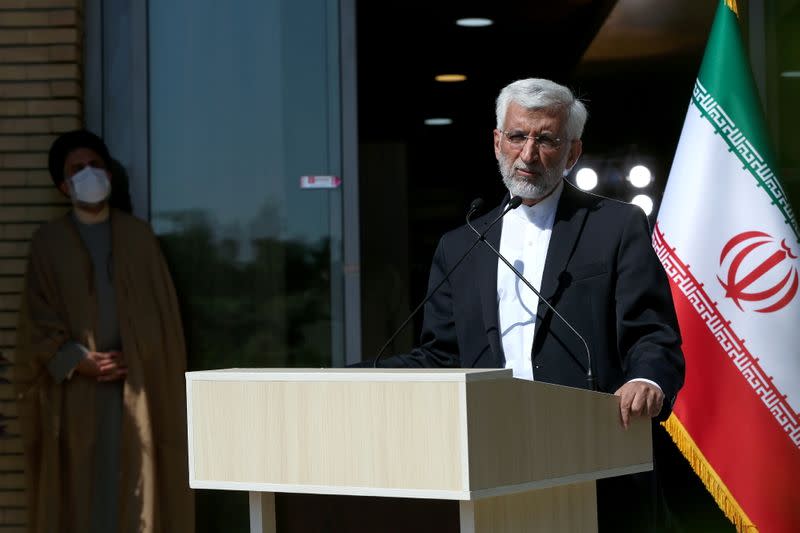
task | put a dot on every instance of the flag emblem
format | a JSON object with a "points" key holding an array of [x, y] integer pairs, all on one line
{"points": [[759, 269]]}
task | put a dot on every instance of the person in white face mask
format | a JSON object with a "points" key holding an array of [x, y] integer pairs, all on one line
{"points": [[100, 356], [89, 188]]}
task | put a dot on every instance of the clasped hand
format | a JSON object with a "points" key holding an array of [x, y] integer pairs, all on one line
{"points": [[104, 366]]}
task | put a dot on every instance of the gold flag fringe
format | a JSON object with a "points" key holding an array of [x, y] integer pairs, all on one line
{"points": [[708, 476], [732, 5]]}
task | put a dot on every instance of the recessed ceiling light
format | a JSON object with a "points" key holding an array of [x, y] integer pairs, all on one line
{"points": [[438, 121], [447, 78], [474, 22], [790, 74]]}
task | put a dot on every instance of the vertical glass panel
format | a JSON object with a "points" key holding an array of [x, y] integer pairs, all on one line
{"points": [[244, 100], [773, 27], [240, 108], [784, 16]]}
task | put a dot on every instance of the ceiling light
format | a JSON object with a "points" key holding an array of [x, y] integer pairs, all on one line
{"points": [[790, 74], [586, 179], [475, 22], [640, 176], [643, 201], [450, 77], [438, 121]]}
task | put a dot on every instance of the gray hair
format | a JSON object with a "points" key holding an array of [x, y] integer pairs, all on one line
{"points": [[537, 93]]}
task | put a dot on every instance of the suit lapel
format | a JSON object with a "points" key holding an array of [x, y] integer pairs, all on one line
{"points": [[567, 227]]}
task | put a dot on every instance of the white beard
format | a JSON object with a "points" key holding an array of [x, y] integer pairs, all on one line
{"points": [[528, 188]]}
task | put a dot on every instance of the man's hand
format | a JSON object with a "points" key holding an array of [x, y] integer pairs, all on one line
{"points": [[104, 366], [639, 398]]}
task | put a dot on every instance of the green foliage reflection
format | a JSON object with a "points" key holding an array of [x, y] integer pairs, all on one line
{"points": [[248, 302]]}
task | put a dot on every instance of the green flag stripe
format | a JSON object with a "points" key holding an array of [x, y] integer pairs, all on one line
{"points": [[725, 73], [726, 96], [739, 144]]}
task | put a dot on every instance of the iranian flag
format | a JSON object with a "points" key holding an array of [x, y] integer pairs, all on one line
{"points": [[729, 242]]}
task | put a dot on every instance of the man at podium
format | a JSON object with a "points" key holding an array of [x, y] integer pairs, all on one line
{"points": [[595, 275]]}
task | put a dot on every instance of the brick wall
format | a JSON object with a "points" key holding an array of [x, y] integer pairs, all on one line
{"points": [[40, 96]]}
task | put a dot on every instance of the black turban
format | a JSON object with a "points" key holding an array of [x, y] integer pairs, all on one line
{"points": [[70, 141]]}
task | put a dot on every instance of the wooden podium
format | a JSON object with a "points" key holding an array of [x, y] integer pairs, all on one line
{"points": [[517, 455]]}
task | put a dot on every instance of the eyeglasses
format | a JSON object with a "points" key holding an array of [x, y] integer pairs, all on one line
{"points": [[544, 141]]}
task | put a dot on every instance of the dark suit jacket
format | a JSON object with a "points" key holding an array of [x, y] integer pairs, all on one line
{"points": [[601, 274]]}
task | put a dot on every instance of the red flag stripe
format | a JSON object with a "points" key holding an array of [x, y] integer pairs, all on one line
{"points": [[732, 427]]}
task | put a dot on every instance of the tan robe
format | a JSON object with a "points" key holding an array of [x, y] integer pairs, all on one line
{"points": [[57, 420]]}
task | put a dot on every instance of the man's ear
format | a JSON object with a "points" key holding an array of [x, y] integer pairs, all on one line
{"points": [[498, 138], [575, 151], [64, 188]]}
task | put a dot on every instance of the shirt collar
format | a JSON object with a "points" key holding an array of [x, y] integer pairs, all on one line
{"points": [[542, 212]]}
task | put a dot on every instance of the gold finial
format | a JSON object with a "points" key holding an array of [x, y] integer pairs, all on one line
{"points": [[732, 5]]}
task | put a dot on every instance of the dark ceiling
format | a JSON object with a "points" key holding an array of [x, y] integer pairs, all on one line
{"points": [[403, 46]]}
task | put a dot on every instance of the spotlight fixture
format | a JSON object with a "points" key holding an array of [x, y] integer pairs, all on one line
{"points": [[645, 202], [475, 22], [586, 179], [450, 78], [640, 176], [438, 121]]}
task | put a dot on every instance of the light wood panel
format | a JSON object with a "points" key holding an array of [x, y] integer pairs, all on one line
{"points": [[565, 509], [543, 434], [346, 434]]}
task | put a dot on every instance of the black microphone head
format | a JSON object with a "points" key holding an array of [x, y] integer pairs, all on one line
{"points": [[515, 202], [476, 205]]}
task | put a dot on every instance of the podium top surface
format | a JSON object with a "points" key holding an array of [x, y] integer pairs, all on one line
{"points": [[350, 374]]}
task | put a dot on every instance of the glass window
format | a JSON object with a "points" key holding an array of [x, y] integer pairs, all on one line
{"points": [[244, 100], [773, 27], [783, 27], [240, 108]]}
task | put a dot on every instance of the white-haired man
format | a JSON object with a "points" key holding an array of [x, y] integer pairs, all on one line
{"points": [[589, 256]]}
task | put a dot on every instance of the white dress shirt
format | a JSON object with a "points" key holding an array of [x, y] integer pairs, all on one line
{"points": [[524, 241]]}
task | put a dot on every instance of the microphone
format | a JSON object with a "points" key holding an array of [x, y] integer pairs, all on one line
{"points": [[474, 207], [482, 237]]}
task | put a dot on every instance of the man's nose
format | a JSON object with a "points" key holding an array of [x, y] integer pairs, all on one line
{"points": [[530, 151]]}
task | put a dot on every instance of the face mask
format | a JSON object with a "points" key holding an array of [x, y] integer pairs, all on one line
{"points": [[90, 186]]}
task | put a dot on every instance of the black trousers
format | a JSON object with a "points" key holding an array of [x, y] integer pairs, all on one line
{"points": [[629, 503], [635, 502]]}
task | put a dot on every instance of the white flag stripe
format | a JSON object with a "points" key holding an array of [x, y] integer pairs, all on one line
{"points": [[748, 154]]}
